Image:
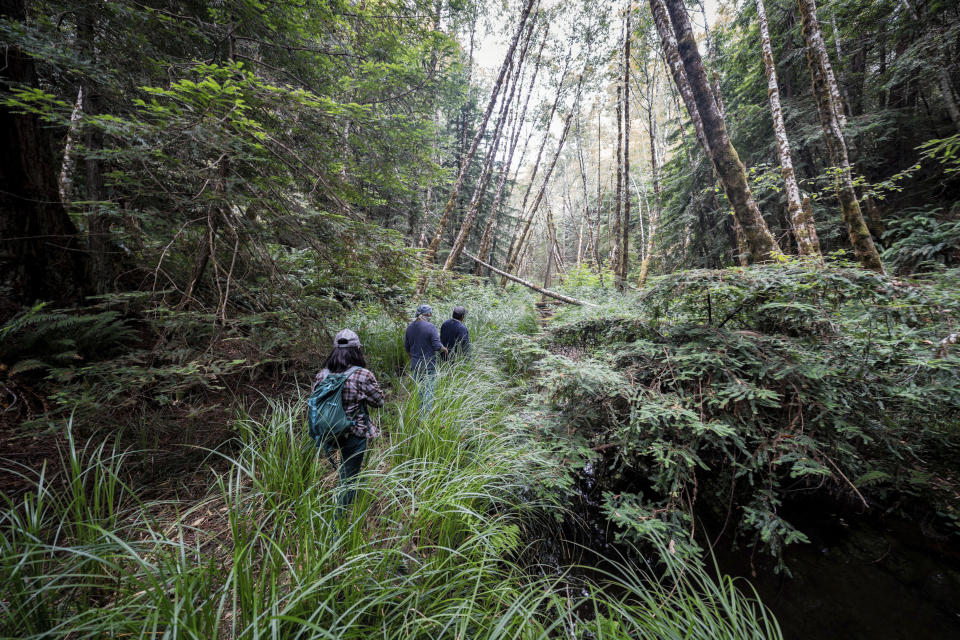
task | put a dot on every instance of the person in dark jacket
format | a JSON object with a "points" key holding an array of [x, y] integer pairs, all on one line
{"points": [[422, 342], [361, 390], [454, 335]]}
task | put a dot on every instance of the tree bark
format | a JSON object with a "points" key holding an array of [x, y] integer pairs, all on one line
{"points": [[727, 163], [625, 218], [801, 218], [40, 256], [830, 111], [458, 184]]}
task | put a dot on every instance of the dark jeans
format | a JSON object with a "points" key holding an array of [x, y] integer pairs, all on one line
{"points": [[352, 449]]}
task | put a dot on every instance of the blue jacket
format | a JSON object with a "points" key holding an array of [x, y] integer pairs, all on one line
{"points": [[455, 336], [422, 342]]}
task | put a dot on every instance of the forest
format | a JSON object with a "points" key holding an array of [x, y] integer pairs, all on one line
{"points": [[709, 256]]}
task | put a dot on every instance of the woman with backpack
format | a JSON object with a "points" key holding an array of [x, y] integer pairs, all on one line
{"points": [[359, 390]]}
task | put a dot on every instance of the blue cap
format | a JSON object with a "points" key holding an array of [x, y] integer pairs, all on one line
{"points": [[424, 310]]}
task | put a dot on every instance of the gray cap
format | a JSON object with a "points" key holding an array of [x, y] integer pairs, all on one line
{"points": [[424, 310], [346, 338]]}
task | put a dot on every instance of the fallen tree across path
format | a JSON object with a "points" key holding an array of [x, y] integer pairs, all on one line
{"points": [[530, 285]]}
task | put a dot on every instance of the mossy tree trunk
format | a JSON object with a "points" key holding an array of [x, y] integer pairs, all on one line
{"points": [[830, 110], [800, 212], [726, 161]]}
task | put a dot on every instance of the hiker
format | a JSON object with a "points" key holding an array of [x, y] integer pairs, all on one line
{"points": [[454, 335], [360, 390], [422, 342]]}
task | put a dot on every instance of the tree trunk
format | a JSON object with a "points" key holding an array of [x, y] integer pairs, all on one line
{"points": [[617, 221], [40, 256], [458, 184], [473, 208], [669, 44], [727, 163], [654, 218], [830, 111], [625, 218], [511, 262], [66, 167], [536, 166], [801, 218], [486, 240]]}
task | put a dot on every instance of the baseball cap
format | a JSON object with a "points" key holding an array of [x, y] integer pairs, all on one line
{"points": [[424, 310], [346, 338]]}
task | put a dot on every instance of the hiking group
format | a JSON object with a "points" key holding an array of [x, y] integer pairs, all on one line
{"points": [[338, 417]]}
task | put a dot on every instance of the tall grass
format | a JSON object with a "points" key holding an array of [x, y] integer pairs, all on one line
{"points": [[427, 551]]}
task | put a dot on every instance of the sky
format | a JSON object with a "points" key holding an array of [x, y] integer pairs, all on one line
{"points": [[491, 42]]}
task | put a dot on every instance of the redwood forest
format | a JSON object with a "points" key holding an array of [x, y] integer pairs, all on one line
{"points": [[480, 319]]}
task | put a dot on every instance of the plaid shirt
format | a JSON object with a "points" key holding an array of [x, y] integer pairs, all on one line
{"points": [[360, 389]]}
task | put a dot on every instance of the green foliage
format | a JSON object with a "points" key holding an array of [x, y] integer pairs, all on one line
{"points": [[922, 240], [720, 394], [429, 550], [36, 340]]}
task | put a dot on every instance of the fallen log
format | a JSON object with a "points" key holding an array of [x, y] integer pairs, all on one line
{"points": [[530, 285]]}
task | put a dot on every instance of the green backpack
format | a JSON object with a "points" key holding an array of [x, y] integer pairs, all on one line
{"points": [[326, 419]]}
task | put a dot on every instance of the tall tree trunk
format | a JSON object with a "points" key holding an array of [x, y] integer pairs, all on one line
{"points": [[617, 221], [654, 218], [830, 110], [481, 187], [486, 238], [513, 261], [727, 163], [801, 216], [536, 164], [458, 184], [40, 256], [672, 55], [102, 265], [625, 233]]}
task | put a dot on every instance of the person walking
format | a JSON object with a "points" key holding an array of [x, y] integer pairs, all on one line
{"points": [[422, 342], [454, 335], [360, 390]]}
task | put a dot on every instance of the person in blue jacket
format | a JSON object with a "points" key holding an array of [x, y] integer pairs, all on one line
{"points": [[454, 335], [422, 342]]}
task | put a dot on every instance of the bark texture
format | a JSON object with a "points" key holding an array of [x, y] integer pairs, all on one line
{"points": [[801, 218], [625, 218], [40, 256], [727, 163], [830, 110]]}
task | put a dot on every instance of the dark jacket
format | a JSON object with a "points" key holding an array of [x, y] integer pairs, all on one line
{"points": [[422, 342], [455, 336]]}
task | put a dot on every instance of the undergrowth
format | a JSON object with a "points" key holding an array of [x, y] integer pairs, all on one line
{"points": [[431, 549], [720, 395]]}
